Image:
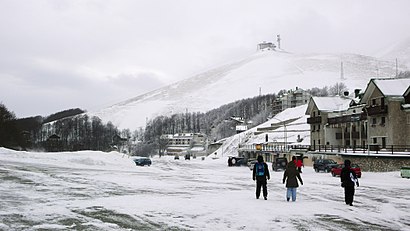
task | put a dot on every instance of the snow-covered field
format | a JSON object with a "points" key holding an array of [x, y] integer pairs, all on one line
{"points": [[106, 191]]}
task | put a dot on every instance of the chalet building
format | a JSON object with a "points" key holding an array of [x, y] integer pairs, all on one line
{"points": [[186, 143], [293, 98], [330, 123], [386, 106], [380, 119]]}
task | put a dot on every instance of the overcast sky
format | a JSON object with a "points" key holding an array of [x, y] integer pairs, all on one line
{"points": [[61, 54]]}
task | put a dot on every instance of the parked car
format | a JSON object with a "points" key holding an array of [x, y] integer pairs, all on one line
{"points": [[279, 163], [324, 165], [251, 163], [337, 170], [142, 161], [237, 161], [405, 172]]}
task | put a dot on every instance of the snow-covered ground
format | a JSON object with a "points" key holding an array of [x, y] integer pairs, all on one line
{"points": [[106, 191]]}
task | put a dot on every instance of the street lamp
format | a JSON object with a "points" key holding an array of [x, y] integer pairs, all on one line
{"points": [[285, 135]]}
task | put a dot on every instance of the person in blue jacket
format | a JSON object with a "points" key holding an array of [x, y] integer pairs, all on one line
{"points": [[261, 175]]}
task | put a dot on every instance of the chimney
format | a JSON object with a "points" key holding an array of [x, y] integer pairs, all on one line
{"points": [[356, 93]]}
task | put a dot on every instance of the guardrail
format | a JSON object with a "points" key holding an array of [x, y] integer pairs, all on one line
{"points": [[374, 148]]}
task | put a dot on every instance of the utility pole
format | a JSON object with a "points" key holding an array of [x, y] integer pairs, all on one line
{"points": [[397, 69], [342, 77]]}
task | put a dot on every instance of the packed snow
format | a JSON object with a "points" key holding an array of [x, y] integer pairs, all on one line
{"points": [[91, 190]]}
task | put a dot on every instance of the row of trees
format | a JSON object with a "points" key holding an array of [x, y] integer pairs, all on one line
{"points": [[9, 135], [69, 130], [214, 123]]}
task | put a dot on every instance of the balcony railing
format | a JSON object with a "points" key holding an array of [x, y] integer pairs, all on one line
{"points": [[376, 110], [355, 135], [314, 120], [346, 119]]}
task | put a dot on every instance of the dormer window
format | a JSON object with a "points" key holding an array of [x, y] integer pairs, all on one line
{"points": [[373, 101]]}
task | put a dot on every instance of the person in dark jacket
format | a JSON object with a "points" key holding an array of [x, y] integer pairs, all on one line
{"points": [[261, 175], [349, 179], [291, 175]]}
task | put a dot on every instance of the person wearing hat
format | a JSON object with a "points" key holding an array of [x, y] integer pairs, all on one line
{"points": [[261, 174], [349, 179]]}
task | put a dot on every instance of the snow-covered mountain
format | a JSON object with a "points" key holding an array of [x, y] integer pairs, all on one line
{"points": [[399, 51], [268, 71]]}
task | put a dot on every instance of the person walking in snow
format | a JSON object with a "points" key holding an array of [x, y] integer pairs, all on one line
{"points": [[349, 179], [291, 175], [299, 164], [261, 175]]}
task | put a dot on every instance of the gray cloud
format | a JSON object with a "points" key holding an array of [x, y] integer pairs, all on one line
{"points": [[90, 53]]}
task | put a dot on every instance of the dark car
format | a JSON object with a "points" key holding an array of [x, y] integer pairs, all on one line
{"points": [[324, 165], [142, 161], [237, 161], [337, 170], [279, 163]]}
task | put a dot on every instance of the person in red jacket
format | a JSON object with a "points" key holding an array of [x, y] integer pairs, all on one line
{"points": [[261, 174], [298, 163]]}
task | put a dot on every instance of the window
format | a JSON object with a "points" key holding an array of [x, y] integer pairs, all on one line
{"points": [[318, 113], [374, 140], [314, 114], [374, 121], [383, 121], [408, 119], [314, 128], [382, 102], [373, 101], [318, 127]]}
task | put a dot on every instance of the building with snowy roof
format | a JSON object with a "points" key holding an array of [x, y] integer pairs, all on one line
{"points": [[321, 111], [380, 120], [386, 107]]}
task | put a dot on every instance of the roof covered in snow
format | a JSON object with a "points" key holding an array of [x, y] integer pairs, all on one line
{"points": [[389, 87], [393, 87], [329, 104]]}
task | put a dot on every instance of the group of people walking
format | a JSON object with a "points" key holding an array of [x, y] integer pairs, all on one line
{"points": [[292, 175]]}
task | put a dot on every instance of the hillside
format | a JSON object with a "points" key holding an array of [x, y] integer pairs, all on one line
{"points": [[269, 71]]}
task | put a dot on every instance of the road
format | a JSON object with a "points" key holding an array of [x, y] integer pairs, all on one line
{"points": [[93, 191]]}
